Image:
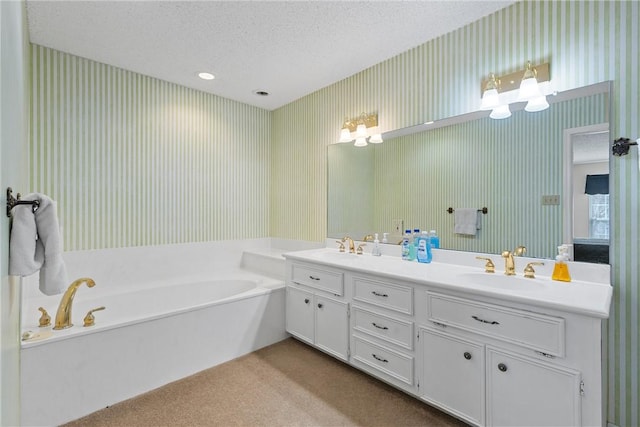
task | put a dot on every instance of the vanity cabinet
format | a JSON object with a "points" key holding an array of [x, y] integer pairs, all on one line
{"points": [[488, 359], [315, 313]]}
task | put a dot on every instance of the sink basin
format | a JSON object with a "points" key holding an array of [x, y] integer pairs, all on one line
{"points": [[337, 256], [501, 281]]}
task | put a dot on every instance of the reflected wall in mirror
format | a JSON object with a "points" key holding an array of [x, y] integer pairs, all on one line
{"points": [[504, 165], [586, 206]]}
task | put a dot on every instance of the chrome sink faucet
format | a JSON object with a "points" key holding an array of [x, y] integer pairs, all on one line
{"points": [[352, 247], [509, 263]]}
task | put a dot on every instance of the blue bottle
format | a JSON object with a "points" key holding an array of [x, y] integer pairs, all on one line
{"points": [[406, 243], [424, 248], [413, 247], [435, 240]]}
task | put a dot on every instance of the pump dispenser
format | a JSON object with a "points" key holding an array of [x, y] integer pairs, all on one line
{"points": [[561, 269], [376, 246]]}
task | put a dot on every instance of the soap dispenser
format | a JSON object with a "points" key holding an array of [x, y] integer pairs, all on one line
{"points": [[561, 269], [376, 246]]}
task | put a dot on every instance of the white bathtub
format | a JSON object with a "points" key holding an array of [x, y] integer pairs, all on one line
{"points": [[148, 335]]}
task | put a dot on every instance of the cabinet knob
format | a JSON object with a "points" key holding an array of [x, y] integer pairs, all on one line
{"points": [[306, 300], [502, 367], [467, 355], [319, 305]]}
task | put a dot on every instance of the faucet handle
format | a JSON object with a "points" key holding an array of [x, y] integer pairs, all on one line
{"points": [[360, 250], [341, 247], [368, 238], [89, 319], [519, 251], [489, 266], [45, 319], [529, 272]]}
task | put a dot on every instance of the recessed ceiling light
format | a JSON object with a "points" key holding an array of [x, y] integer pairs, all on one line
{"points": [[206, 76], [261, 92]]}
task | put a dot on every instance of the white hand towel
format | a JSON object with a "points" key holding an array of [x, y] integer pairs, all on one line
{"points": [[466, 221], [36, 244]]}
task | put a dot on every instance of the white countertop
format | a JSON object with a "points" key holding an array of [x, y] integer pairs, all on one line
{"points": [[578, 296]]}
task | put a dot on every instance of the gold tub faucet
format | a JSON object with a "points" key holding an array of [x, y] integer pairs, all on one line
{"points": [[63, 316]]}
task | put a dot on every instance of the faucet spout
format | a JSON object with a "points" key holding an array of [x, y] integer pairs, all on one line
{"points": [[352, 247], [63, 316], [509, 263]]}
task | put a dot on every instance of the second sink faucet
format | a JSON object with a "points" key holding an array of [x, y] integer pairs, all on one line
{"points": [[509, 263], [352, 247]]}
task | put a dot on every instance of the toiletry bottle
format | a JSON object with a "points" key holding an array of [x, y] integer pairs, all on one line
{"points": [[561, 269], [435, 240], [413, 249], [406, 243], [424, 248], [385, 237], [376, 246]]}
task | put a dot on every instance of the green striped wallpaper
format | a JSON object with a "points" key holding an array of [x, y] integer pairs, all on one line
{"points": [[133, 160], [585, 42]]}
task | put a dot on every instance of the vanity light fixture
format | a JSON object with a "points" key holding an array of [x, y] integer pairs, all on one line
{"points": [[363, 130], [530, 85]]}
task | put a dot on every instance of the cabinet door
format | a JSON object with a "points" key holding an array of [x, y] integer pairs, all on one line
{"points": [[332, 326], [523, 391], [453, 375], [299, 314]]}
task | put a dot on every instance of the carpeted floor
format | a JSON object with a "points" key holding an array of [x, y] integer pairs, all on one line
{"points": [[286, 384]]}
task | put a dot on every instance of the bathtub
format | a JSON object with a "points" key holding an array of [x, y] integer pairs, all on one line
{"points": [[149, 335]]}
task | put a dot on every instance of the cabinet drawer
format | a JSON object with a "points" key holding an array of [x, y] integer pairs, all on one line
{"points": [[382, 359], [536, 331], [317, 278], [396, 331], [391, 296]]}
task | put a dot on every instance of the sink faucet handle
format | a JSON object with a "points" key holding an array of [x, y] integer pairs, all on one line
{"points": [[489, 266], [45, 319], [519, 251], [89, 319], [368, 238], [360, 246], [529, 272], [341, 247]]}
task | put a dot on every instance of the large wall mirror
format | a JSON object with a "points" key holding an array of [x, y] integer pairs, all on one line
{"points": [[509, 166]]}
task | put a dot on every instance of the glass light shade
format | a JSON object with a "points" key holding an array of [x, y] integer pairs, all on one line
{"points": [[361, 131], [361, 142], [376, 138], [537, 104], [501, 112], [529, 89], [345, 135], [490, 99]]}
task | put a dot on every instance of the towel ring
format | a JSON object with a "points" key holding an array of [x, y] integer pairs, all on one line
{"points": [[483, 210], [14, 201]]}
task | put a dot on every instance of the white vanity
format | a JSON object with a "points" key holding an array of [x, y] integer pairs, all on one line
{"points": [[490, 349]]}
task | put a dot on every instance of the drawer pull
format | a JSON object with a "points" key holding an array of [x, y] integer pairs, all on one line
{"points": [[306, 300], [314, 278], [490, 322], [379, 358], [467, 355], [502, 367], [319, 305], [378, 326], [378, 294]]}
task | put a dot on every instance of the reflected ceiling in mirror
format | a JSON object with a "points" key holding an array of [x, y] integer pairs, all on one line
{"points": [[504, 165]]}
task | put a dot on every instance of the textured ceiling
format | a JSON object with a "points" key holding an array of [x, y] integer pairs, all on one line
{"points": [[289, 49]]}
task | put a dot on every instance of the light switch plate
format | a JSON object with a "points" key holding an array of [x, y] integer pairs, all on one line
{"points": [[553, 199]]}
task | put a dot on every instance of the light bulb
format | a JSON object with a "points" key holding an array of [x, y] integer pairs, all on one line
{"points": [[501, 112], [361, 131], [537, 104], [345, 135], [361, 142], [376, 138], [490, 99]]}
